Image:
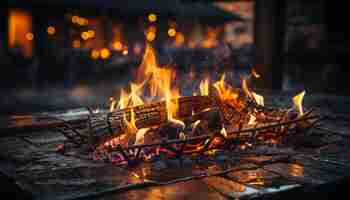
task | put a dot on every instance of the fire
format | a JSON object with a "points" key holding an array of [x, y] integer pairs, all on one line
{"points": [[252, 120], [140, 136], [112, 105], [225, 92], [182, 136], [298, 102], [160, 81], [204, 87], [255, 73], [245, 88], [156, 82], [128, 99], [131, 125], [223, 132], [258, 99]]}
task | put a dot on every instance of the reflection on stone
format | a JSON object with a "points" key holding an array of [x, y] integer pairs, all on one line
{"points": [[296, 170]]}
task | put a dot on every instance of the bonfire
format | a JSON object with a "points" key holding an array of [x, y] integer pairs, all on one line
{"points": [[151, 119]]}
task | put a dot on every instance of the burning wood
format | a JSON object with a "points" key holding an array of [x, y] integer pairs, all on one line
{"points": [[223, 117]]}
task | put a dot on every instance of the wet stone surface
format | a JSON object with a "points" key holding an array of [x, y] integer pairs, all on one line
{"points": [[319, 157]]}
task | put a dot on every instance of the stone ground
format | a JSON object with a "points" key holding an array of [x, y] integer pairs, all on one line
{"points": [[321, 157]]}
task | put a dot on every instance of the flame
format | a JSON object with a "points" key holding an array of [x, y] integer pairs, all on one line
{"points": [[129, 99], [159, 80], [298, 102], [258, 99], [223, 132], [255, 73], [252, 120], [112, 105], [131, 125], [195, 124], [136, 91], [225, 92], [140, 136], [204, 87], [122, 100], [182, 136], [245, 88]]}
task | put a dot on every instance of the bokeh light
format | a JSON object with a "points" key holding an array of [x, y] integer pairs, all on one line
{"points": [[51, 30], [152, 17], [105, 53], [29, 36], [171, 32]]}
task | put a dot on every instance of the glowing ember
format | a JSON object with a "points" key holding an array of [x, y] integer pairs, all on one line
{"points": [[252, 120]]}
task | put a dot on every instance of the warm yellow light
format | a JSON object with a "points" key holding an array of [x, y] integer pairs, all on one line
{"points": [[152, 17], [151, 36], [105, 53], [91, 33], [76, 44], [125, 52], [51, 30], [85, 22], [85, 35], [298, 102], [152, 29], [118, 46], [179, 39], [19, 24], [29, 36], [171, 32], [82, 21], [95, 54], [75, 19]]}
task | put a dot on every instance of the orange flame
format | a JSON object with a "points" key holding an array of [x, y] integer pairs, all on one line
{"points": [[225, 92], [257, 98], [182, 136], [204, 87], [298, 102], [252, 120], [140, 136], [159, 80], [255, 73], [131, 125]]}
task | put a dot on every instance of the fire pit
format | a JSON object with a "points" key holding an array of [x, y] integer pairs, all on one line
{"points": [[220, 117]]}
